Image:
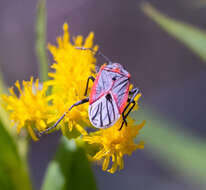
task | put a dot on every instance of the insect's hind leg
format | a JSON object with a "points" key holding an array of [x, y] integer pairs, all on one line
{"points": [[76, 104], [87, 85], [125, 116], [134, 92]]}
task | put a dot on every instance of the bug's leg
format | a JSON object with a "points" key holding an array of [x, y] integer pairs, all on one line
{"points": [[89, 78], [125, 116], [134, 93], [79, 103], [76, 104], [98, 52]]}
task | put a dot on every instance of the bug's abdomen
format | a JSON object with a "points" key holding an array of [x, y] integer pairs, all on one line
{"points": [[104, 112]]}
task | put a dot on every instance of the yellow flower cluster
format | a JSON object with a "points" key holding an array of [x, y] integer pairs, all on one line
{"points": [[72, 69], [36, 111], [31, 109], [114, 144]]}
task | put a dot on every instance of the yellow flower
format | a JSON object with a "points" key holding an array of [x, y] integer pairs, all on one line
{"points": [[114, 144], [34, 110], [72, 69], [30, 109]]}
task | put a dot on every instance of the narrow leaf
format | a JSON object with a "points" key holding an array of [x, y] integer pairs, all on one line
{"points": [[192, 37], [41, 40], [70, 169], [3, 89], [13, 172], [54, 179]]}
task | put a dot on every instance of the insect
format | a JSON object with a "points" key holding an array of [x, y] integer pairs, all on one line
{"points": [[109, 98]]}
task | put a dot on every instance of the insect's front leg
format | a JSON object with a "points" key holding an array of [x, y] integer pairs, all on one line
{"points": [[87, 85], [54, 126], [134, 92]]}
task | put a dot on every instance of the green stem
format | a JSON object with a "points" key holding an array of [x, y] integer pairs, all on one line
{"points": [[41, 40]]}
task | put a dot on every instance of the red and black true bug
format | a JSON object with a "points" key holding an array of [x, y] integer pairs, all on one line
{"points": [[109, 97]]}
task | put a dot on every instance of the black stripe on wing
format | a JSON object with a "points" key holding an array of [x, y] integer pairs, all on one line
{"points": [[109, 118], [95, 113], [120, 83], [122, 87], [113, 112], [101, 121]]}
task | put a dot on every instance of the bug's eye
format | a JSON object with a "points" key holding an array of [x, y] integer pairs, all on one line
{"points": [[113, 78]]}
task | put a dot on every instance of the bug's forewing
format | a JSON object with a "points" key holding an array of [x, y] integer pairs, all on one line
{"points": [[103, 113], [121, 90], [104, 83]]}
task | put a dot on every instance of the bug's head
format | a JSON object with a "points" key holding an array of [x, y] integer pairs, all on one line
{"points": [[116, 67]]}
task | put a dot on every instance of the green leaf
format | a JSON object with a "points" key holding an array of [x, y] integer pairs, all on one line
{"points": [[3, 88], [178, 149], [54, 178], [191, 36], [41, 40], [70, 170], [13, 172]]}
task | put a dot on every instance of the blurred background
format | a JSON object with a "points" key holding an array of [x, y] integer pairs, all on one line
{"points": [[171, 78]]}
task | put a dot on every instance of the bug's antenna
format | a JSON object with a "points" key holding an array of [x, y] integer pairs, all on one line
{"points": [[98, 52]]}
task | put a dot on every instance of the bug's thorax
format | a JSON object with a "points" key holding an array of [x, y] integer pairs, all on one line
{"points": [[109, 95], [109, 80], [117, 68]]}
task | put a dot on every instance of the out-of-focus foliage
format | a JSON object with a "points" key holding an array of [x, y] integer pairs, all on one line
{"points": [[3, 89], [192, 37], [178, 149], [70, 169], [3, 114], [41, 40], [196, 3], [13, 172]]}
